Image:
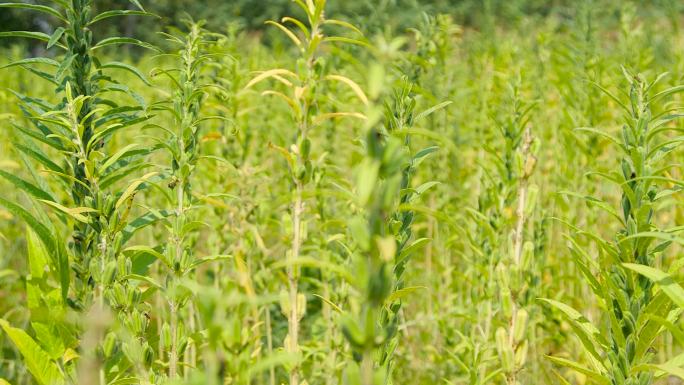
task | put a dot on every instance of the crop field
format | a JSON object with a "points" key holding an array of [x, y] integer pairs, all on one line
{"points": [[341, 192]]}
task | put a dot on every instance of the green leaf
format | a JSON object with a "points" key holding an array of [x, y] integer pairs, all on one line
{"points": [[4, 273], [340, 39], [48, 241], [123, 40], [329, 302], [41, 230], [660, 369], [132, 189], [137, 4], [143, 278], [49, 338], [432, 110], [601, 133], [28, 35], [426, 186], [40, 158], [34, 7], [37, 361], [29, 188], [422, 155], [143, 221], [401, 293], [662, 279], [583, 262], [120, 173], [148, 250], [598, 377], [108, 131], [76, 212], [658, 308], [32, 60], [37, 255], [41, 137], [591, 201], [55, 37], [418, 243], [615, 99], [204, 260], [126, 381], [287, 32], [560, 378], [588, 334], [667, 92], [109, 162], [340, 23], [119, 12], [127, 67]]}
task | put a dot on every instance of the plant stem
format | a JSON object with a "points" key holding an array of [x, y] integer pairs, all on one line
{"points": [[173, 354], [367, 368], [522, 199], [518, 241], [269, 344], [293, 319], [173, 306]]}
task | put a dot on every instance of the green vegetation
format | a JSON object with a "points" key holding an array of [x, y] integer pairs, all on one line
{"points": [[323, 192]]}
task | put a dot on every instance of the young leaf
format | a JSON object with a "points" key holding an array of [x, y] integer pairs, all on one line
{"points": [[55, 37], [119, 12], [124, 40], [34, 7], [127, 67], [598, 377], [662, 279], [588, 334], [41, 230], [432, 110], [37, 361], [29, 188]]}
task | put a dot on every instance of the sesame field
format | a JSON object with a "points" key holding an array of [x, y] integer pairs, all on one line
{"points": [[341, 192]]}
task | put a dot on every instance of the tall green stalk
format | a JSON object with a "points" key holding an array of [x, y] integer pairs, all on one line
{"points": [[382, 234], [302, 98], [622, 353], [88, 125], [78, 128], [184, 147]]}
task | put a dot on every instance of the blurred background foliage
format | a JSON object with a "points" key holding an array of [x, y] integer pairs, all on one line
{"points": [[388, 16]]}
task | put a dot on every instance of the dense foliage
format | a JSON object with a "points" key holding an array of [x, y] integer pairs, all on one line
{"points": [[327, 192]]}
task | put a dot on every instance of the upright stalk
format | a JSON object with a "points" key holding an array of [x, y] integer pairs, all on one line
{"points": [[519, 316], [292, 280], [302, 100], [77, 128], [179, 248], [623, 350], [519, 236], [382, 233], [186, 106]]}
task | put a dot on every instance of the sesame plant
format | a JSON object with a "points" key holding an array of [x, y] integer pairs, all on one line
{"points": [[184, 150], [514, 271], [382, 234], [100, 186], [624, 352], [179, 340], [302, 99], [502, 245]]}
